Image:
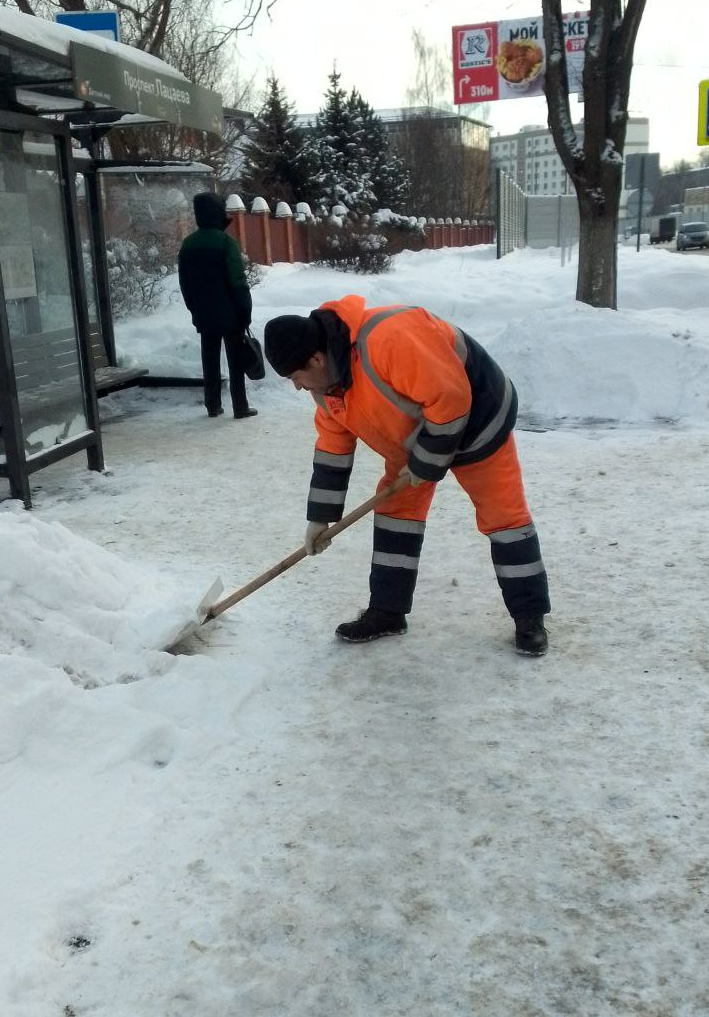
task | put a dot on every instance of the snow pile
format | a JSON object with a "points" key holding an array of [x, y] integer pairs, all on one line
{"points": [[571, 364], [648, 361], [73, 605]]}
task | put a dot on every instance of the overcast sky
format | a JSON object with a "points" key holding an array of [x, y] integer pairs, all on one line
{"points": [[371, 41]]}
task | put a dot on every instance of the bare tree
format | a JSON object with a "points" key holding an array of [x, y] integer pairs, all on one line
{"points": [[190, 51], [595, 165], [448, 176], [146, 24], [187, 36], [432, 75]]}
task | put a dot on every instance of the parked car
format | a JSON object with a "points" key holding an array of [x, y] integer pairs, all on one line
{"points": [[692, 234]]}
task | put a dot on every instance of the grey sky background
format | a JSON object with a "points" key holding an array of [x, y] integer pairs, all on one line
{"points": [[371, 42]]}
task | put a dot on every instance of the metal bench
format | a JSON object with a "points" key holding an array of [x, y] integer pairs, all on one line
{"points": [[47, 371], [110, 378]]}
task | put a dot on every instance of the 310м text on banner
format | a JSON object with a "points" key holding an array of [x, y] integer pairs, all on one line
{"points": [[507, 59]]}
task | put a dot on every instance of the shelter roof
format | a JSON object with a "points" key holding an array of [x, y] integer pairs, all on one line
{"points": [[48, 69]]}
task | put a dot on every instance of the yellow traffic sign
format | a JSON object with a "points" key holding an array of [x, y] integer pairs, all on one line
{"points": [[703, 123]]}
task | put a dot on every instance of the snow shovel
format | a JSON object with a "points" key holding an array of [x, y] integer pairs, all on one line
{"points": [[208, 609]]}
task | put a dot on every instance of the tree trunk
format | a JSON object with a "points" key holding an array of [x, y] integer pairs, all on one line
{"points": [[595, 162], [598, 201], [596, 283]]}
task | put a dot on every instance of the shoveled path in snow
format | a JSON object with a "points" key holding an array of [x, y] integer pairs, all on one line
{"points": [[427, 825]]}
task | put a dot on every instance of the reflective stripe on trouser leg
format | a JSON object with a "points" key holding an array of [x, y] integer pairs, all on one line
{"points": [[395, 562], [495, 487], [520, 570]]}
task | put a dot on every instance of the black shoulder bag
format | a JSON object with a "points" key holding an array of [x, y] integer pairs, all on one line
{"points": [[254, 367]]}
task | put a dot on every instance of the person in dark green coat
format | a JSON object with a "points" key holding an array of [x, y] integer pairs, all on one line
{"points": [[215, 290]]}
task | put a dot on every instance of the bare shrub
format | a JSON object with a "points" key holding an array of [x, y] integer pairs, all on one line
{"points": [[134, 277], [254, 272]]}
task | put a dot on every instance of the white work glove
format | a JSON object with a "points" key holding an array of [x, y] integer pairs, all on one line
{"points": [[414, 481], [312, 544]]}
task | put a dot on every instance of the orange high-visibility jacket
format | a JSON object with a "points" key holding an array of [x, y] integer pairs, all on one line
{"points": [[421, 392]]}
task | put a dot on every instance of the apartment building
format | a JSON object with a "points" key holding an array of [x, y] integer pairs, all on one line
{"points": [[696, 204], [531, 159], [459, 129]]}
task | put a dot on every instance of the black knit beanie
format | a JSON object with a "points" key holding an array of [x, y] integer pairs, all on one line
{"points": [[290, 341]]}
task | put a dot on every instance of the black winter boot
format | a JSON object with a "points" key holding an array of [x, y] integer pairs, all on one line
{"points": [[372, 624], [530, 635]]}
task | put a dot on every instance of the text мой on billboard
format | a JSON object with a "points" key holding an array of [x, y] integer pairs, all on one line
{"points": [[507, 59]]}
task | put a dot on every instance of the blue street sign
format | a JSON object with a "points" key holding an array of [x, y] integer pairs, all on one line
{"points": [[104, 23]]}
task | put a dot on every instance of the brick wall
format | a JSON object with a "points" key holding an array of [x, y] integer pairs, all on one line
{"points": [[266, 240]]}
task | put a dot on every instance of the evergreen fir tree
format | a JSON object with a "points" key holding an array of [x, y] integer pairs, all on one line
{"points": [[276, 165], [343, 164], [390, 179]]}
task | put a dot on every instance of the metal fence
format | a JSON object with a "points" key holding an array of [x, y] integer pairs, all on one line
{"points": [[534, 220], [511, 215], [552, 221]]}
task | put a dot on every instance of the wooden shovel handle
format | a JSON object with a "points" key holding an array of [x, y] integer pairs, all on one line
{"points": [[296, 556]]}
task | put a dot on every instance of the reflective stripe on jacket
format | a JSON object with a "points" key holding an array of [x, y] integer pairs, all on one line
{"points": [[422, 392]]}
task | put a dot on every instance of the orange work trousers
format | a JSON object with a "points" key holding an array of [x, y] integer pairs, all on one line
{"points": [[494, 485]]}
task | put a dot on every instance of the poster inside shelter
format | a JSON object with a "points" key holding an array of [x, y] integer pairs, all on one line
{"points": [[507, 59], [17, 267], [16, 256]]}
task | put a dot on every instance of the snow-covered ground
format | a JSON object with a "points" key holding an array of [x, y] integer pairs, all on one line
{"points": [[279, 824]]}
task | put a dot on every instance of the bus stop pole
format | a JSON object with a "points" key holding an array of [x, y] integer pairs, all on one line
{"points": [[642, 195]]}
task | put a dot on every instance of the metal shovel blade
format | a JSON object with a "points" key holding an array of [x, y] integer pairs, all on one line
{"points": [[203, 608], [211, 606]]}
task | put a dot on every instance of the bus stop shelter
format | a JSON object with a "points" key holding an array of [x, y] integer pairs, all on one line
{"points": [[60, 86]]}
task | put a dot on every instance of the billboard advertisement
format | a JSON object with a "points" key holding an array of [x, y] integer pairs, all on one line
{"points": [[507, 59]]}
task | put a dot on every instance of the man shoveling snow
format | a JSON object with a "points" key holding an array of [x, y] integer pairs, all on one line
{"points": [[428, 398]]}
